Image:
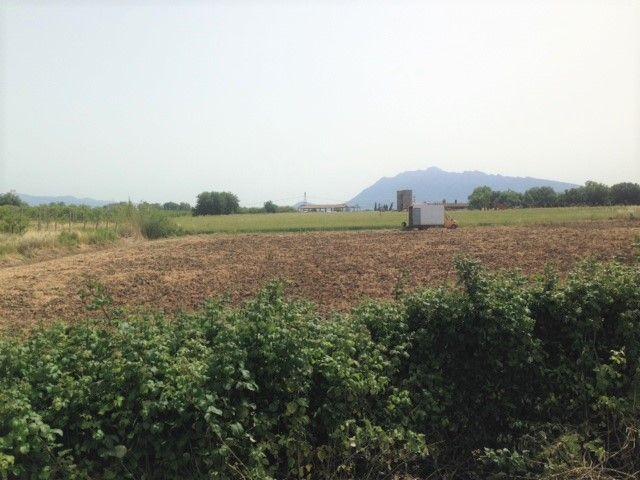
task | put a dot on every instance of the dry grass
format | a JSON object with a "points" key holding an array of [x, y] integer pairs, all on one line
{"points": [[25, 245], [44, 244]]}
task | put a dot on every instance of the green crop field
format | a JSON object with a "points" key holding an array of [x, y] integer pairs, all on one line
{"points": [[293, 222]]}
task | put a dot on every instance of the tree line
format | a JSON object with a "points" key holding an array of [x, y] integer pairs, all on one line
{"points": [[226, 203], [591, 194], [16, 215], [12, 199], [383, 207]]}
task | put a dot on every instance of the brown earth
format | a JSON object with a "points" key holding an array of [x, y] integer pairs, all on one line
{"points": [[336, 270]]}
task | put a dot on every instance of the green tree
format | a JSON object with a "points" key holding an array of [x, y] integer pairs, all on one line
{"points": [[171, 206], [571, 197], [11, 198], [596, 193], [508, 198], [481, 198], [540, 197], [216, 203], [13, 220], [204, 204], [270, 207], [625, 193]]}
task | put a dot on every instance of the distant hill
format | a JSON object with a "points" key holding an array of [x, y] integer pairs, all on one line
{"points": [[435, 185], [35, 200]]}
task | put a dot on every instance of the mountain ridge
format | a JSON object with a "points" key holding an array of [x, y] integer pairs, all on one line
{"points": [[434, 185], [35, 200]]}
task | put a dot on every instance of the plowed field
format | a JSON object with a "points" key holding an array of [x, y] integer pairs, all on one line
{"points": [[336, 270]]}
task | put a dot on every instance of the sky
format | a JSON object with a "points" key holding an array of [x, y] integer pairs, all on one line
{"points": [[161, 100]]}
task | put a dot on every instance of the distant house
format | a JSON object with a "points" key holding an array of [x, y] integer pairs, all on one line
{"points": [[455, 206], [326, 207]]}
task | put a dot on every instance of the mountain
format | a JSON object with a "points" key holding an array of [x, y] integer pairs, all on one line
{"points": [[34, 200], [435, 185]]}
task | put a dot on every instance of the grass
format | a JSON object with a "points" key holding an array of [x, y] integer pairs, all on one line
{"points": [[305, 222], [542, 216], [68, 237], [34, 241], [289, 222], [25, 245]]}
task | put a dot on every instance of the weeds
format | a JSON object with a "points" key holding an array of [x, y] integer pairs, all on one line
{"points": [[68, 239], [101, 236]]}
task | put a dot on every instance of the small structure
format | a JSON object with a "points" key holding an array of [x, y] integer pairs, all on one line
{"points": [[455, 206], [425, 215], [404, 200], [329, 207]]}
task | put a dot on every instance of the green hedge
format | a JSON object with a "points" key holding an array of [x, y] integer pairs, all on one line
{"points": [[496, 378]]}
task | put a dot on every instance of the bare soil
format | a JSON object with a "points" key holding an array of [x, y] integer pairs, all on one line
{"points": [[337, 270]]}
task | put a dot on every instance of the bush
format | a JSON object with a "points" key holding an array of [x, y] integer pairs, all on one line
{"points": [[268, 391], [154, 225], [498, 378], [68, 239], [101, 236]]}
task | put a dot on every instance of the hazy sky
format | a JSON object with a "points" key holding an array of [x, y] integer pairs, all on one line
{"points": [[161, 100]]}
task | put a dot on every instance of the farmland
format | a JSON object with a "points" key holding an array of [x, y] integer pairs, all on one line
{"points": [[411, 382], [296, 222], [49, 232], [335, 269], [402, 344]]}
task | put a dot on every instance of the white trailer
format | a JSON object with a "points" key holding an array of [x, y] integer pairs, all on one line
{"points": [[425, 215]]}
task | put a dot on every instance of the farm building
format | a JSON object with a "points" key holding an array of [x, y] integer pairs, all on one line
{"points": [[327, 207], [404, 200]]}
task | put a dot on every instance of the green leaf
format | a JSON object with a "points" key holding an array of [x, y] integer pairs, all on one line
{"points": [[119, 451]]}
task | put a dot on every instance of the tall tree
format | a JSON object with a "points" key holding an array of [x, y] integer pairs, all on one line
{"points": [[596, 193], [11, 198], [625, 193], [216, 203], [481, 198], [270, 207], [540, 197]]}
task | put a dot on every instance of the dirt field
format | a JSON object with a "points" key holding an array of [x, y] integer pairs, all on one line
{"points": [[336, 270]]}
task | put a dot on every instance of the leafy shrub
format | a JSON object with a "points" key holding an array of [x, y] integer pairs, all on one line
{"points": [[101, 236], [268, 391], [498, 378], [154, 225], [68, 239]]}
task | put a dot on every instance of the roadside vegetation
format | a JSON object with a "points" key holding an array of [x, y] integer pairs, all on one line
{"points": [[496, 378]]}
